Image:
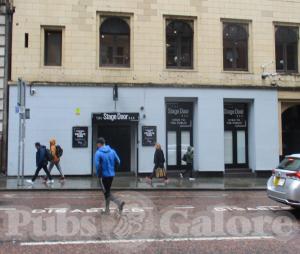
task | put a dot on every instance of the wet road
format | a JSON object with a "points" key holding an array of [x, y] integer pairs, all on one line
{"points": [[152, 222]]}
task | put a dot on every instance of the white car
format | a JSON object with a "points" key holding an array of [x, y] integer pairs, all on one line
{"points": [[284, 184]]}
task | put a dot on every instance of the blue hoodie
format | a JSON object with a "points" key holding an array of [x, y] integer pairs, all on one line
{"points": [[105, 160]]}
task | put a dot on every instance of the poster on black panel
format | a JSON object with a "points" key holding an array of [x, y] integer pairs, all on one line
{"points": [[149, 135], [80, 137]]}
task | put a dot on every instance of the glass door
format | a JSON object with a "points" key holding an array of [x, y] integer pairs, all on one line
{"points": [[179, 117], [172, 148], [235, 135], [228, 147], [178, 143], [241, 147]]}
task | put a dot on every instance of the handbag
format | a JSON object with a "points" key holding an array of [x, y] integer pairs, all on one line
{"points": [[160, 172]]}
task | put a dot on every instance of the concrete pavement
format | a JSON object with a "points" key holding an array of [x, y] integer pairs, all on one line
{"points": [[138, 183]]}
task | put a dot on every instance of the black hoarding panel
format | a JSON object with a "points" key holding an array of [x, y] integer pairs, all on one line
{"points": [[80, 137], [149, 135]]}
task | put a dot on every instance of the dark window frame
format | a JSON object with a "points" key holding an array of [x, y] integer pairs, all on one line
{"points": [[227, 43], [284, 45], [114, 47], [179, 43], [47, 61]]}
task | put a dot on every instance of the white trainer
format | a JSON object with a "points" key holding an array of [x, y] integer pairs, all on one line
{"points": [[50, 181], [192, 179], [30, 181]]}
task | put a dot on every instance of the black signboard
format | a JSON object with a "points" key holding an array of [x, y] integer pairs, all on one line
{"points": [[179, 115], [80, 136], [235, 115], [149, 135], [116, 117]]}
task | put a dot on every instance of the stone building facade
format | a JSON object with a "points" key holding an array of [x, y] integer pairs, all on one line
{"points": [[212, 74], [6, 11]]}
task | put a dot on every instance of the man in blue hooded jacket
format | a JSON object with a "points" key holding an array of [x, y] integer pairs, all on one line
{"points": [[106, 160]]}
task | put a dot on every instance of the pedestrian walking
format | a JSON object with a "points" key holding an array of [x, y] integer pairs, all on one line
{"points": [[159, 161], [188, 157], [41, 163], [56, 152], [106, 159]]}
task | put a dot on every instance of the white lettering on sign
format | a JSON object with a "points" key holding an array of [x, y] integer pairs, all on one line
{"points": [[114, 117], [80, 133], [149, 133], [172, 111], [233, 111]]}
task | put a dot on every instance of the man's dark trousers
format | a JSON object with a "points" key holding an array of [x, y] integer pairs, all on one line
{"points": [[105, 183], [38, 171]]}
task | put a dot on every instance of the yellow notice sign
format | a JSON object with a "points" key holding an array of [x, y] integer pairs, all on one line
{"points": [[77, 111]]}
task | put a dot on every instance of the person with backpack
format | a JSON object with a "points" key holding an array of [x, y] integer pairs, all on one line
{"points": [[106, 159], [188, 158], [41, 163], [56, 153]]}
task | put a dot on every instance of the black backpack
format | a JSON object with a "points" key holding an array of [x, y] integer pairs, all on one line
{"points": [[59, 151], [48, 155]]}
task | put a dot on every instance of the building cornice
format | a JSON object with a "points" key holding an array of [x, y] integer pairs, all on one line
{"points": [[152, 85]]}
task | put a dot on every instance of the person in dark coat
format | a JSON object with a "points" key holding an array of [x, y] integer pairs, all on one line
{"points": [[159, 161], [41, 163], [188, 157]]}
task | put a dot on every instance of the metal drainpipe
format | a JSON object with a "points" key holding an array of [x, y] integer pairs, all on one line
{"points": [[9, 11]]}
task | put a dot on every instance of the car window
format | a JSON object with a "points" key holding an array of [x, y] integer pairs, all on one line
{"points": [[292, 164]]}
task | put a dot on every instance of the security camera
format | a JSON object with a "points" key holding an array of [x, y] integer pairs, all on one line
{"points": [[265, 75], [32, 91]]}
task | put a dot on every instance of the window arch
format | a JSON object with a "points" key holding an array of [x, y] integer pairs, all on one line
{"points": [[235, 46], [115, 42], [179, 44], [286, 40]]}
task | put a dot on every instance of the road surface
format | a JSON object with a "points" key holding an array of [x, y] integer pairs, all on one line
{"points": [[152, 222]]}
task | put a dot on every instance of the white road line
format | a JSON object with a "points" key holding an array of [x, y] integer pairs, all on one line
{"points": [[7, 209], [148, 240], [184, 207]]}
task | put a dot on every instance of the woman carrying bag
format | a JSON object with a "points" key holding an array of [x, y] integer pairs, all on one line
{"points": [[159, 170]]}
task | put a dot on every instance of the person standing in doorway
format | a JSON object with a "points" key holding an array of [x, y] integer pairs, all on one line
{"points": [[41, 163], [56, 152], [188, 157], [159, 161], [106, 159]]}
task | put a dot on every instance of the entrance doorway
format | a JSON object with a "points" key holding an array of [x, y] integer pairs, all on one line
{"points": [[235, 135], [291, 130], [179, 132], [120, 131], [119, 138]]}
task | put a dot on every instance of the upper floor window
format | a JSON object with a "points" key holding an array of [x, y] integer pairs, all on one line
{"points": [[179, 44], [286, 42], [53, 47], [115, 42], [235, 46]]}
